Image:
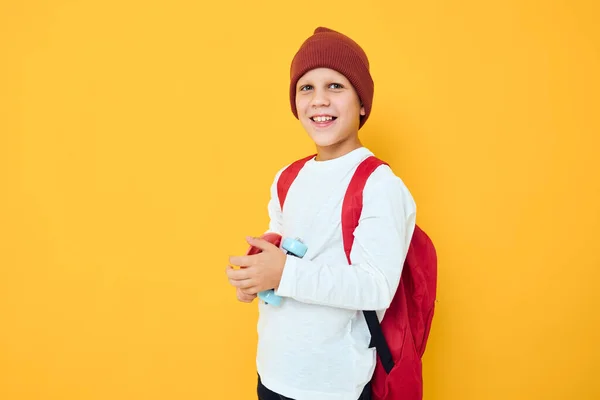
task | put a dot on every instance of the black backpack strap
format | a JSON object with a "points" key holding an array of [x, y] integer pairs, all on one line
{"points": [[378, 340]]}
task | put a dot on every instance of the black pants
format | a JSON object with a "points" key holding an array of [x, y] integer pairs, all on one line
{"points": [[266, 394]]}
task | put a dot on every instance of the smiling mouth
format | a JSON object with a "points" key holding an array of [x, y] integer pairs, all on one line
{"points": [[323, 118]]}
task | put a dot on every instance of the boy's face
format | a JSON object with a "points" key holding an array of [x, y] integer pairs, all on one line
{"points": [[329, 109]]}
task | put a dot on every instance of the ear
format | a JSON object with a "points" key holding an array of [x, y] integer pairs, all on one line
{"points": [[362, 110]]}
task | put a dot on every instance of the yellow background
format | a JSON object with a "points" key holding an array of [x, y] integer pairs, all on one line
{"points": [[138, 140]]}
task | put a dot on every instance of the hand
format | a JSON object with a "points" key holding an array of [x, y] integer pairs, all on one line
{"points": [[262, 271], [244, 297]]}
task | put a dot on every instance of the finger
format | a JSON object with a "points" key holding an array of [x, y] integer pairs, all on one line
{"points": [[237, 274], [246, 292], [245, 297], [244, 300], [228, 270], [242, 284], [252, 290], [260, 243], [243, 261]]}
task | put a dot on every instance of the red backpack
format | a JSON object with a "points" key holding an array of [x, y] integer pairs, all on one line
{"points": [[401, 337]]}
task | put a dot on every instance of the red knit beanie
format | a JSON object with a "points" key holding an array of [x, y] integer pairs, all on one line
{"points": [[327, 48]]}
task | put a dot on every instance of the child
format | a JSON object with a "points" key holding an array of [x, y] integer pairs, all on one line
{"points": [[315, 345]]}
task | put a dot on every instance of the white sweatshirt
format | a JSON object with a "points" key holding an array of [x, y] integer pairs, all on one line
{"points": [[315, 345]]}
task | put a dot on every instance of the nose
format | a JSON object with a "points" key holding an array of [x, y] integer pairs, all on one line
{"points": [[319, 99]]}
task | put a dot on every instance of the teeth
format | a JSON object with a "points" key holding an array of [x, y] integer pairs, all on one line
{"points": [[322, 119]]}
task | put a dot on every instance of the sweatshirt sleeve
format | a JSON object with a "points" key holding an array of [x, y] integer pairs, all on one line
{"points": [[380, 246], [274, 209]]}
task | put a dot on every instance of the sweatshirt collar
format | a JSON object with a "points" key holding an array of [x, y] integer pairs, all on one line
{"points": [[350, 158]]}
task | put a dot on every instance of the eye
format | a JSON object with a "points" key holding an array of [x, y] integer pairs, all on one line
{"points": [[336, 86], [304, 88]]}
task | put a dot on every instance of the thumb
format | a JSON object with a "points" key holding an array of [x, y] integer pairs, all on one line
{"points": [[259, 243]]}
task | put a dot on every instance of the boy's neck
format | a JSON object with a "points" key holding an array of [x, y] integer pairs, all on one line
{"points": [[337, 150]]}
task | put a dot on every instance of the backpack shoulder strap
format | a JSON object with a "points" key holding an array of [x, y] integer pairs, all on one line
{"points": [[287, 178], [353, 200], [351, 210]]}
